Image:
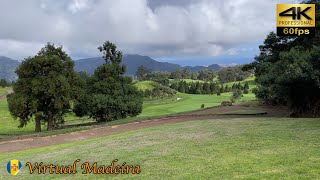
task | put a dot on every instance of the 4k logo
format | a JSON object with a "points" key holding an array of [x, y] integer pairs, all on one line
{"points": [[296, 13], [295, 19]]}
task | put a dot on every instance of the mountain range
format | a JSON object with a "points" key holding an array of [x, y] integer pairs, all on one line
{"points": [[88, 65], [7, 68], [132, 63]]}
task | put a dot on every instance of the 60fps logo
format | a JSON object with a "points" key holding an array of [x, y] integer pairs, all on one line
{"points": [[296, 19]]}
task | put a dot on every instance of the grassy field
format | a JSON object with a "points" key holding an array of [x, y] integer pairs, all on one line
{"points": [[187, 80], [262, 148], [144, 85], [188, 102], [250, 81]]}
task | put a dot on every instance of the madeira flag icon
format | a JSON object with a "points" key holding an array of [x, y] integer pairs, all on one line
{"points": [[13, 167]]}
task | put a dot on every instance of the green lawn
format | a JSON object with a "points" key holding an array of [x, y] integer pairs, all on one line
{"points": [[187, 80], [250, 81], [261, 148], [144, 85], [188, 102]]}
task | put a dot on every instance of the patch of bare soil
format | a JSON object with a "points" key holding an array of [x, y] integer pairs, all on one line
{"points": [[29, 142]]}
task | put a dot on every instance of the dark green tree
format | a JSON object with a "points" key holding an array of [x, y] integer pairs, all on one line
{"points": [[236, 94], [288, 70], [111, 95], [46, 84], [142, 73], [3, 83]]}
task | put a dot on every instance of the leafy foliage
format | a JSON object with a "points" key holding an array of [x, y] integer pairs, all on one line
{"points": [[231, 74], [109, 94], [288, 71], [46, 84]]}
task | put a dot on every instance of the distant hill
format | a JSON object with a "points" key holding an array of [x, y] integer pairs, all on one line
{"points": [[88, 65], [214, 67], [7, 68], [134, 61]]}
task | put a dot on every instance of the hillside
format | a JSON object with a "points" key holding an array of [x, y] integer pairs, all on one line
{"points": [[132, 62], [7, 68], [214, 67], [88, 65]]}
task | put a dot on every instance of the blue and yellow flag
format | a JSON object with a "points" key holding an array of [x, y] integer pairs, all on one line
{"points": [[14, 166]]}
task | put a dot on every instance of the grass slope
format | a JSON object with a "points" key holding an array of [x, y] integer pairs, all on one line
{"points": [[262, 148], [144, 85], [188, 102], [250, 81], [187, 80]]}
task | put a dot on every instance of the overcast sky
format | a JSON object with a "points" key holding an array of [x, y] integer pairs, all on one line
{"points": [[187, 32]]}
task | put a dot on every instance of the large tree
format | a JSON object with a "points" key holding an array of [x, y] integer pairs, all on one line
{"points": [[288, 70], [110, 95], [142, 73], [46, 84]]}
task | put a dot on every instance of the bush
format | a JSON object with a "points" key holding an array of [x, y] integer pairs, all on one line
{"points": [[236, 94], [202, 106]]}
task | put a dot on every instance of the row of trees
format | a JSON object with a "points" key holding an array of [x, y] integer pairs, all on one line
{"points": [[47, 86], [144, 73], [207, 87], [288, 70], [4, 83], [229, 74], [232, 74]]}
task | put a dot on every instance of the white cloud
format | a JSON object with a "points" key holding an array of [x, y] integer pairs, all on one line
{"points": [[78, 5], [156, 28]]}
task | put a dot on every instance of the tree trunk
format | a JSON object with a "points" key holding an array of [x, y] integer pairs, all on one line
{"points": [[50, 121], [38, 124]]}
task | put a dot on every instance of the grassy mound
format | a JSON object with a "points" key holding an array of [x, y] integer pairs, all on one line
{"points": [[144, 85]]}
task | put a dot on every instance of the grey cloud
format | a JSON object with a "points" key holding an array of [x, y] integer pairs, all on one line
{"points": [[150, 27]]}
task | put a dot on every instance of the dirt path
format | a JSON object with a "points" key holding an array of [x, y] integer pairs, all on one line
{"points": [[36, 142]]}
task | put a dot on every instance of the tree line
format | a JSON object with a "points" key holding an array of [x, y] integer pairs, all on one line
{"points": [[288, 70], [48, 87], [208, 87], [225, 75], [5, 83], [144, 73]]}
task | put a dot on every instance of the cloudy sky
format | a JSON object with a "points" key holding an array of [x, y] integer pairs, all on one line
{"points": [[187, 32]]}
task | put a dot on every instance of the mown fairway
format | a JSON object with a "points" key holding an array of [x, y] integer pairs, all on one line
{"points": [[188, 102], [261, 148]]}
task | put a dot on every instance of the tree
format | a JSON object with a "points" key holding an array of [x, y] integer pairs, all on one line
{"points": [[46, 84], [3, 83], [142, 72], [110, 95], [288, 70], [236, 94], [206, 75], [246, 88], [232, 74]]}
